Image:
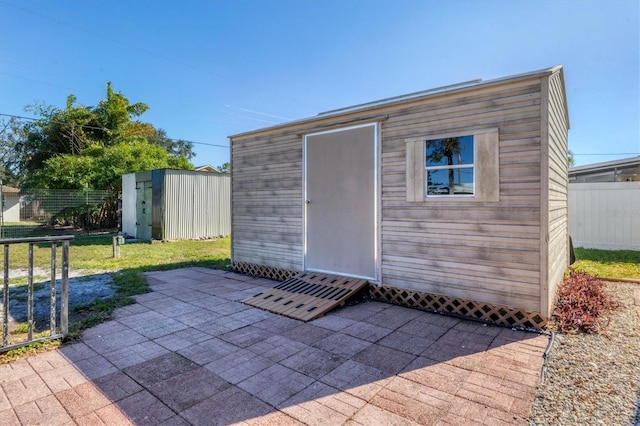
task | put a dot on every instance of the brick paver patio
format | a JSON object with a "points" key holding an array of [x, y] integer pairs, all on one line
{"points": [[190, 353]]}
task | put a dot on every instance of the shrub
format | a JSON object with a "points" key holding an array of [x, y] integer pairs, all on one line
{"points": [[581, 302]]}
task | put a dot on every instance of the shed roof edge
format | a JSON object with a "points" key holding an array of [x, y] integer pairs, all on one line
{"points": [[605, 165], [460, 87]]}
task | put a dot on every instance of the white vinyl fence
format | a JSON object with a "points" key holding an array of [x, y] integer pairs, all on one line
{"points": [[605, 215]]}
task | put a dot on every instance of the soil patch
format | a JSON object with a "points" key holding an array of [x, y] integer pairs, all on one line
{"points": [[83, 289]]}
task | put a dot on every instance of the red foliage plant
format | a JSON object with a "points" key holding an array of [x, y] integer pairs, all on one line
{"points": [[580, 303]]}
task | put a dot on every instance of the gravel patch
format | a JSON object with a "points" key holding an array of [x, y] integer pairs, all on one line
{"points": [[595, 379], [83, 289]]}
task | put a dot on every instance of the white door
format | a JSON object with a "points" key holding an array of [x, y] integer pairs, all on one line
{"points": [[341, 202]]}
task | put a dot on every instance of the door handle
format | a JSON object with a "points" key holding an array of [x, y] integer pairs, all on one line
{"points": [[308, 201]]}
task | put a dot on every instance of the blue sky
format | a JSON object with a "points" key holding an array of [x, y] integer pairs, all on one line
{"points": [[210, 69]]}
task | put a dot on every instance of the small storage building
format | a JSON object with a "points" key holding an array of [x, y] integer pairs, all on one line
{"points": [[452, 199], [168, 204]]}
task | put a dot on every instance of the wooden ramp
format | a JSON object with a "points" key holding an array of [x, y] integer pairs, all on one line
{"points": [[308, 295]]}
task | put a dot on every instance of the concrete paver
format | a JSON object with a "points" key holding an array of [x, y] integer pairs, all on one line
{"points": [[190, 353]]}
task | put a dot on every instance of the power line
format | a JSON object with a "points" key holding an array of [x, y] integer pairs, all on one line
{"points": [[102, 128], [227, 146], [610, 153], [142, 49], [35, 81], [257, 112], [84, 126], [202, 143]]}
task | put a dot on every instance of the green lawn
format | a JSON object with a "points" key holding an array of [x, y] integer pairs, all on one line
{"points": [[609, 263], [95, 254]]}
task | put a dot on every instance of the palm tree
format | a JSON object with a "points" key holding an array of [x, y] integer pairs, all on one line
{"points": [[445, 148]]}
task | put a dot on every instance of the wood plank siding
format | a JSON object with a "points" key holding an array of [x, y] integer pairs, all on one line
{"points": [[558, 195], [266, 192], [460, 247], [512, 251]]}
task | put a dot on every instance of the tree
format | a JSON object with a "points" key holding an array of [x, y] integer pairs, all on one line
{"points": [[65, 171], [445, 148], [175, 148], [102, 167], [90, 147], [10, 133], [225, 168], [55, 132], [571, 161], [113, 119]]}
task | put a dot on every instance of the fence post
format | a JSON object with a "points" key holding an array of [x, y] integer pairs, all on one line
{"points": [[116, 247], [64, 296], [52, 312], [5, 299], [30, 295]]}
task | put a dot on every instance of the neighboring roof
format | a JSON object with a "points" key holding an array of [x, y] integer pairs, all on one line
{"points": [[9, 190], [207, 168], [453, 88], [608, 171]]}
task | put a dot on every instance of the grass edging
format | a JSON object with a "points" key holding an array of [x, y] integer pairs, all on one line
{"points": [[620, 280]]}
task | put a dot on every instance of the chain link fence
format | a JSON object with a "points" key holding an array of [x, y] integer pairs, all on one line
{"points": [[42, 212]]}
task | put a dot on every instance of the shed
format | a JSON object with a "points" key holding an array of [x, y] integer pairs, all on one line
{"points": [[166, 204], [452, 199]]}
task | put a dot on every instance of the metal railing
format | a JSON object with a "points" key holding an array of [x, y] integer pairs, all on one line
{"points": [[55, 330]]}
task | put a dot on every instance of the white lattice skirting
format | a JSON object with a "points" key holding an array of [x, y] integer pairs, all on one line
{"points": [[497, 314]]}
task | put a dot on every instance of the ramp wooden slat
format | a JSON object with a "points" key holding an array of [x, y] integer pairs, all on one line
{"points": [[308, 295]]}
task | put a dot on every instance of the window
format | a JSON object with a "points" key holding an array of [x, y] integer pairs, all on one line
{"points": [[450, 167], [460, 167]]}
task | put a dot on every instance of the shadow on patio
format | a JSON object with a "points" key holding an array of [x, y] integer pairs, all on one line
{"points": [[190, 352]]}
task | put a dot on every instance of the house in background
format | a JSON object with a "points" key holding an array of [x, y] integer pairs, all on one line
{"points": [[624, 170], [207, 168], [169, 205], [10, 204], [604, 205], [452, 199]]}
